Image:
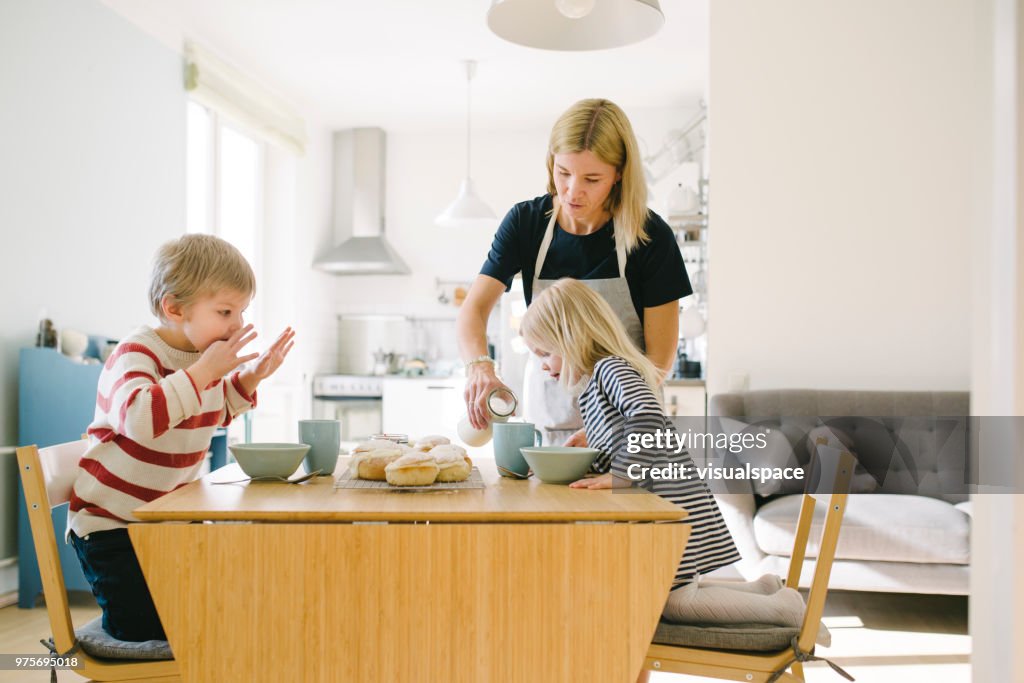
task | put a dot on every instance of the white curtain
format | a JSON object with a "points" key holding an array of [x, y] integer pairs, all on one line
{"points": [[237, 96]]}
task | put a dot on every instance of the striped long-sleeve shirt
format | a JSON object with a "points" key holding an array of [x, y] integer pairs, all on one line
{"points": [[617, 400], [151, 430]]}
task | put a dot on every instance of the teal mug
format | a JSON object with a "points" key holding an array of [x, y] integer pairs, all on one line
{"points": [[509, 437], [324, 439]]}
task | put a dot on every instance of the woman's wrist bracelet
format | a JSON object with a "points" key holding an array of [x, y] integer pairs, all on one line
{"points": [[480, 359]]}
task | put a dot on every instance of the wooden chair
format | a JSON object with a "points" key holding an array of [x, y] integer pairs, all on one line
{"points": [[831, 469], [47, 476]]}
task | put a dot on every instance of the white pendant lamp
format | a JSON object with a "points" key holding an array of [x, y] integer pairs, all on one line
{"points": [[575, 24], [468, 210]]}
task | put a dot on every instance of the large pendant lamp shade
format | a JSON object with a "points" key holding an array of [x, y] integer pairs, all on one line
{"points": [[468, 210], [575, 24]]}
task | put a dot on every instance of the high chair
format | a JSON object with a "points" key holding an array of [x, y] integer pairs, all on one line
{"points": [[47, 476], [764, 654]]}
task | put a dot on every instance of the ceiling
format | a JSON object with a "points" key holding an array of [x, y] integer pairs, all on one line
{"points": [[398, 63]]}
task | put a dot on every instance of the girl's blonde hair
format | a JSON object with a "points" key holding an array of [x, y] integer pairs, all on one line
{"points": [[575, 322], [601, 127], [195, 266]]}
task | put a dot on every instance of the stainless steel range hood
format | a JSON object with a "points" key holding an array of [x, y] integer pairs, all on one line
{"points": [[359, 177]]}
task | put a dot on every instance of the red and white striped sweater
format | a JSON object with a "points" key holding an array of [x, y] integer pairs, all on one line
{"points": [[150, 433]]}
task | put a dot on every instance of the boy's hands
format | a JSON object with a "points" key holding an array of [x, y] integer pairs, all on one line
{"points": [[269, 361], [221, 357]]}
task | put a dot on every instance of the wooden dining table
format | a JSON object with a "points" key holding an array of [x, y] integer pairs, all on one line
{"points": [[519, 581]]}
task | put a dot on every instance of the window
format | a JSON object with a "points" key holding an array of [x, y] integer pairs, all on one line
{"points": [[225, 186]]}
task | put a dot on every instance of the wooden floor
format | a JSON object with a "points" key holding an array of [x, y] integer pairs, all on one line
{"points": [[877, 637]]}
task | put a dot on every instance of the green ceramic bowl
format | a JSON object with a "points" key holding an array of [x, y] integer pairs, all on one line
{"points": [[559, 464], [269, 459]]}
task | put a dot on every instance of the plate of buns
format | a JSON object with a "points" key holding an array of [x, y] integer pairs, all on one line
{"points": [[431, 462]]}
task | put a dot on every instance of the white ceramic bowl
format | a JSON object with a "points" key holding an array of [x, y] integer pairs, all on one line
{"points": [[559, 464], [269, 459]]}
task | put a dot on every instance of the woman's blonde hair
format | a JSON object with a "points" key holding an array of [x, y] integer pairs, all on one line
{"points": [[601, 127], [575, 322], [195, 266]]}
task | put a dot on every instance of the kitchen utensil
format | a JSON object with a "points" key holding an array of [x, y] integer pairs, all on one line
{"points": [[296, 480], [380, 362], [509, 437], [510, 474], [395, 362], [559, 464], [269, 459], [324, 438], [501, 403]]}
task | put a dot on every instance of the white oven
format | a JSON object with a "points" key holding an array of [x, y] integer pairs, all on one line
{"points": [[356, 401]]}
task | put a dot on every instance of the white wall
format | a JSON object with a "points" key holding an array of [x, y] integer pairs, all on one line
{"points": [[997, 382], [841, 207], [91, 173]]}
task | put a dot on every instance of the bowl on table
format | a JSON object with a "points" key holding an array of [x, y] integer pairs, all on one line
{"points": [[559, 464], [269, 459]]}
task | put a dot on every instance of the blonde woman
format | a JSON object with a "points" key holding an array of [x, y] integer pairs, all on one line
{"points": [[582, 345], [593, 224]]}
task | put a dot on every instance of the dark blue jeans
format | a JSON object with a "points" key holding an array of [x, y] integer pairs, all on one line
{"points": [[112, 569]]}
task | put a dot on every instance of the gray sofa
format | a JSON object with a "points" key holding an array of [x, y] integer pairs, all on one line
{"points": [[907, 524]]}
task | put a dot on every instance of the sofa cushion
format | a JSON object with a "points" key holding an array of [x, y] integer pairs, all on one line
{"points": [[887, 527]]}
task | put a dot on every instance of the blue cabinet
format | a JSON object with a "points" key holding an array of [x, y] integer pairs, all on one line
{"points": [[56, 402]]}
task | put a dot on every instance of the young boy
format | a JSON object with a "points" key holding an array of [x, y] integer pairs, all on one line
{"points": [[162, 393]]}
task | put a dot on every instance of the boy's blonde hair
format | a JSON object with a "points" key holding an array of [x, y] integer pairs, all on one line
{"points": [[601, 127], [575, 322], [195, 266]]}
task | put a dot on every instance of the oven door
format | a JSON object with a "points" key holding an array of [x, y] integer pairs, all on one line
{"points": [[359, 417]]}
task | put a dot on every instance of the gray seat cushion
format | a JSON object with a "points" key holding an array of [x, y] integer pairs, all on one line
{"points": [[751, 637], [98, 643]]}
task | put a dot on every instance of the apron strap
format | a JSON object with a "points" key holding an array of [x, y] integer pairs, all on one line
{"points": [[549, 233], [620, 251]]}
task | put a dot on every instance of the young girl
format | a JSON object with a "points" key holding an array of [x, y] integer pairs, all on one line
{"points": [[581, 341]]}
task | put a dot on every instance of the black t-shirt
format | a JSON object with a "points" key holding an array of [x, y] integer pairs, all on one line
{"points": [[655, 271]]}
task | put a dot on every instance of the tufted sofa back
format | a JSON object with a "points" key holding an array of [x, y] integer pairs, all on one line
{"points": [[911, 442]]}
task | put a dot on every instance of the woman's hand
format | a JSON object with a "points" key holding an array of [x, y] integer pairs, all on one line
{"points": [[481, 381], [603, 481], [577, 439]]}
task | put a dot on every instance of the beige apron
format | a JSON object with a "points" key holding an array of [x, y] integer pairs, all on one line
{"points": [[546, 403]]}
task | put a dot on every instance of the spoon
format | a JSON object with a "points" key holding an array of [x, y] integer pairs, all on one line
{"points": [[510, 473], [298, 480]]}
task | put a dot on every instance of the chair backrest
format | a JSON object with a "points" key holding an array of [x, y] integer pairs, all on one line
{"points": [[828, 483], [47, 476]]}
